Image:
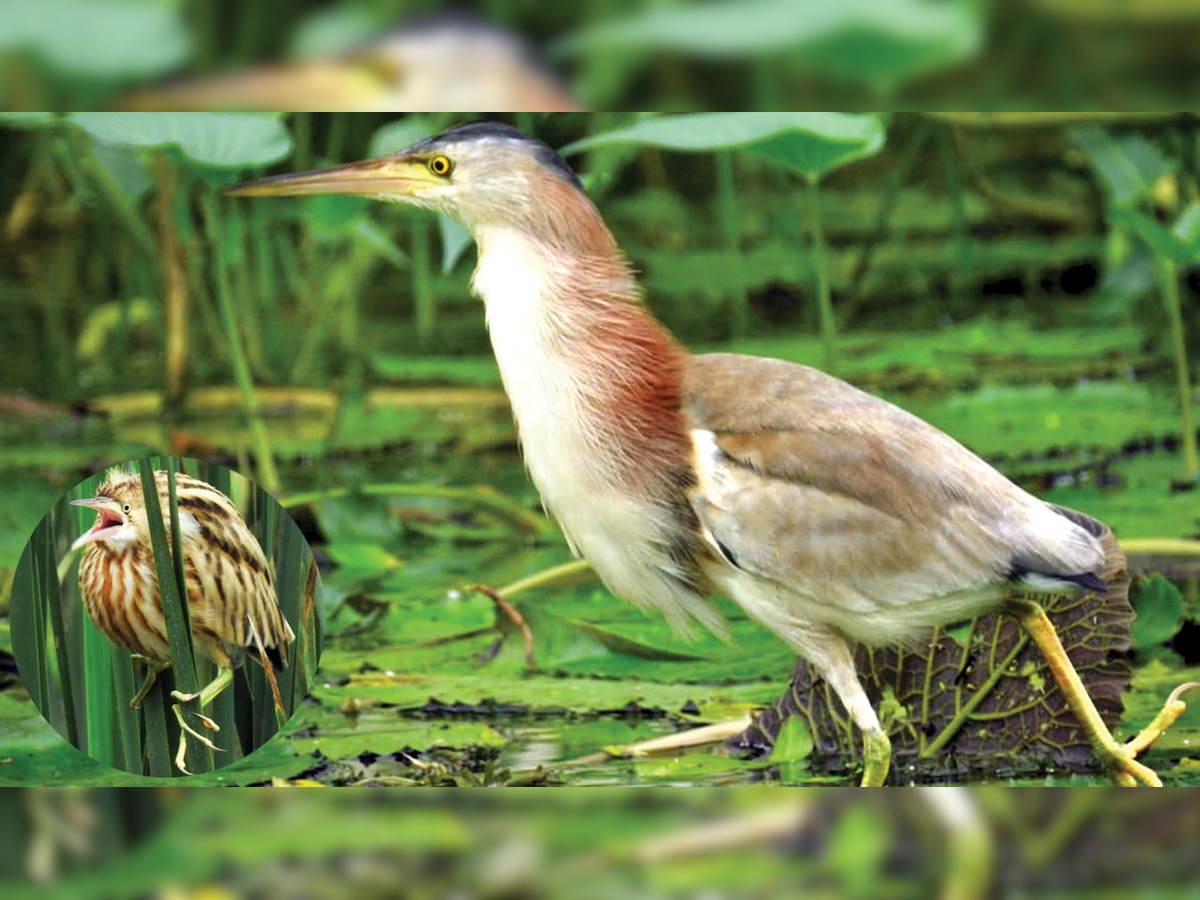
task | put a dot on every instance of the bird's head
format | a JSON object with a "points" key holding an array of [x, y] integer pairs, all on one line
{"points": [[482, 173], [120, 515]]}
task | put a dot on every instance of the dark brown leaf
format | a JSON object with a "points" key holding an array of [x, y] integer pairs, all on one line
{"points": [[983, 704]]}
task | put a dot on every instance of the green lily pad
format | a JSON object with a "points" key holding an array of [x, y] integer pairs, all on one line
{"points": [[883, 41], [395, 136], [812, 143], [221, 140], [332, 30], [794, 742], [106, 39], [1159, 607], [362, 559]]}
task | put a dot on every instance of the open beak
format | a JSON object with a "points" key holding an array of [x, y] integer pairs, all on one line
{"points": [[391, 177], [108, 517]]}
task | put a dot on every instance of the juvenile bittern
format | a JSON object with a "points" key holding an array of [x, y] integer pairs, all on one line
{"points": [[231, 597], [829, 515]]}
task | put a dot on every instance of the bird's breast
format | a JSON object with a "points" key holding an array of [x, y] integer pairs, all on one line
{"points": [[598, 417], [120, 595]]}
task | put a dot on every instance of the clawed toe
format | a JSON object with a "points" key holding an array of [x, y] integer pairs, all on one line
{"points": [[1128, 772], [1121, 759], [186, 729]]}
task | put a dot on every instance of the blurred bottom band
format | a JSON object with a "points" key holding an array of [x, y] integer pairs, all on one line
{"points": [[933, 842]]}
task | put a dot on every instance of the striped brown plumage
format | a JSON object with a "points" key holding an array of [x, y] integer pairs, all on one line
{"points": [[229, 581]]}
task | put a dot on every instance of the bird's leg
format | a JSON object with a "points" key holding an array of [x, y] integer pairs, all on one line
{"points": [[836, 664], [185, 730], [1119, 759], [209, 692], [153, 667], [267, 668], [205, 695]]}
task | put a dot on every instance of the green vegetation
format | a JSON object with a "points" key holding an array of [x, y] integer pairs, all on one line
{"points": [[83, 684], [331, 348]]}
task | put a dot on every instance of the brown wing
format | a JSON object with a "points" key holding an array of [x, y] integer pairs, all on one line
{"points": [[819, 480], [230, 586]]}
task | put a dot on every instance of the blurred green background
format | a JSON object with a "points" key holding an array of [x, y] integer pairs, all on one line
{"points": [[615, 54], [1026, 283], [951, 844]]}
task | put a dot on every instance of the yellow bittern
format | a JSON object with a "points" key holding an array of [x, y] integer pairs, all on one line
{"points": [[230, 593], [827, 514]]}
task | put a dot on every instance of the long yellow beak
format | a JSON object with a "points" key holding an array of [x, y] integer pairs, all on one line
{"points": [[391, 176]]}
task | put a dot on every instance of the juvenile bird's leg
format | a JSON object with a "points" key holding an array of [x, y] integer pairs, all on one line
{"points": [[267, 667], [153, 667], [205, 695], [1119, 759]]}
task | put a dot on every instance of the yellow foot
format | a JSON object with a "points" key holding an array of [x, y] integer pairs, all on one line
{"points": [[186, 729], [1126, 771], [877, 759], [1121, 759]]}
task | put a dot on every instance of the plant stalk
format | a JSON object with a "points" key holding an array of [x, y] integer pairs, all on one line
{"points": [[1169, 276], [268, 477], [821, 268], [727, 211]]}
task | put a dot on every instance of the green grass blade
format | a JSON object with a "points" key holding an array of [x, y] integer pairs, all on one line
{"points": [[224, 713], [100, 695], [174, 604], [159, 754], [291, 568], [50, 587], [129, 729], [35, 671]]}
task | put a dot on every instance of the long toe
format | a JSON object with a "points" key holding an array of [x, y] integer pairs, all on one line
{"points": [[1167, 716], [1126, 770], [1121, 759], [186, 729], [181, 755]]}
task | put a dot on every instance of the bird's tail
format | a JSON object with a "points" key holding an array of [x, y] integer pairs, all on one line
{"points": [[1109, 583]]}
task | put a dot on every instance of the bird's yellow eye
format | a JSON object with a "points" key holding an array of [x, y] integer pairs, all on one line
{"points": [[440, 165], [126, 507]]}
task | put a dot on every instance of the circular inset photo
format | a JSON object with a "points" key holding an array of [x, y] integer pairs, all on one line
{"points": [[159, 660]]}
